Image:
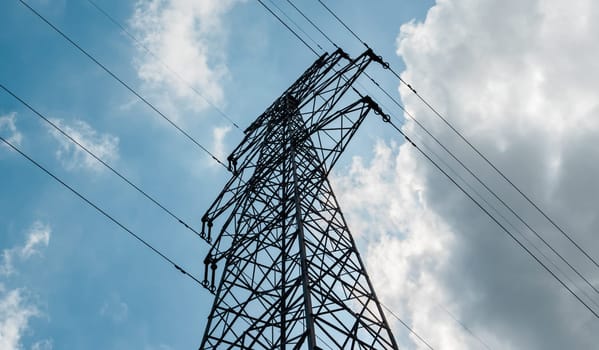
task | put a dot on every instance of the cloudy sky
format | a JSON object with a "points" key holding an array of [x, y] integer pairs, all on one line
{"points": [[519, 79]]}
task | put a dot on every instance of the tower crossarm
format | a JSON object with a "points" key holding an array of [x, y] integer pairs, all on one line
{"points": [[314, 95]]}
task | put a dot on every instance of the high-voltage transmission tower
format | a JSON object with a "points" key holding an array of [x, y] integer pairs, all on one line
{"points": [[290, 274]]}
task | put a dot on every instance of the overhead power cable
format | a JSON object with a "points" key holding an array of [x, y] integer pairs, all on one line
{"points": [[86, 150], [465, 327], [123, 83], [312, 23], [486, 187], [513, 227], [497, 211], [407, 326], [164, 64], [103, 212], [288, 27], [493, 218], [502, 175], [295, 24], [567, 235], [343, 23]]}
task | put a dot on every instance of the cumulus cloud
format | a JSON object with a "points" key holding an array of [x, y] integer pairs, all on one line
{"points": [[519, 80], [8, 129], [16, 307], [104, 146], [186, 37]]}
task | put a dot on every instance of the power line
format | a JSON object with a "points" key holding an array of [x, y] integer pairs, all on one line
{"points": [[117, 173], [470, 145], [128, 87], [469, 186], [164, 64], [312, 23], [497, 212], [101, 211], [487, 188], [481, 207], [343, 23], [510, 182], [407, 326], [289, 28], [465, 327], [295, 24]]}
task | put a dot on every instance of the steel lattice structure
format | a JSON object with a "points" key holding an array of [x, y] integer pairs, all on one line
{"points": [[292, 276]]}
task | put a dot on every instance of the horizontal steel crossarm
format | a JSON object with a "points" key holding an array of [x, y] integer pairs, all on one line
{"points": [[317, 97]]}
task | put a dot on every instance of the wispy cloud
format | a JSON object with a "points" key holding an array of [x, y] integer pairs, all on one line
{"points": [[16, 307], [218, 135], [38, 236], [104, 146], [8, 129], [188, 37]]}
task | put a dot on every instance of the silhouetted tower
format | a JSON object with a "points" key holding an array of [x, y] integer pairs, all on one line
{"points": [[291, 276]]}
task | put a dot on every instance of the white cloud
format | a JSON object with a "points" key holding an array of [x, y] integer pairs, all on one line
{"points": [[15, 313], [16, 308], [407, 243], [38, 236], [8, 129], [104, 146], [189, 38], [519, 79], [218, 135]]}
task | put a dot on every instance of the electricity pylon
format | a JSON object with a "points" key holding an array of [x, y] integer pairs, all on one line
{"points": [[292, 276]]}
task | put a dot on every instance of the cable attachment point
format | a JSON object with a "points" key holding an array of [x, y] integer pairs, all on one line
{"points": [[376, 108], [205, 282], [213, 267], [209, 236], [376, 58], [203, 232], [342, 53], [232, 167]]}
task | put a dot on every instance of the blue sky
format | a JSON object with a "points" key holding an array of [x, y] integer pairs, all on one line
{"points": [[519, 79], [91, 286]]}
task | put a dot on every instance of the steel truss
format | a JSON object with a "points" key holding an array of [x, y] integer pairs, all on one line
{"points": [[292, 276]]}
